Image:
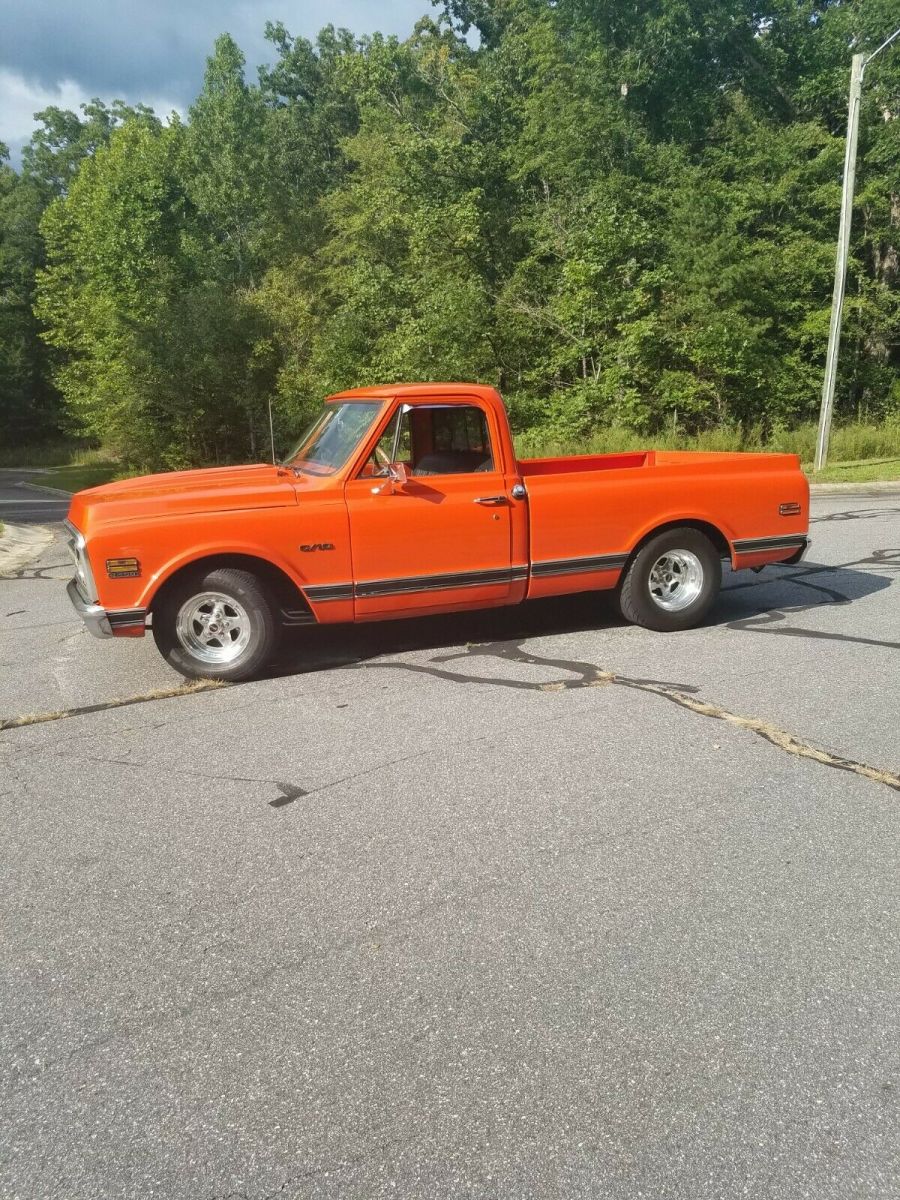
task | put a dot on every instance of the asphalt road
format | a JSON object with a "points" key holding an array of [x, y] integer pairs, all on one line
{"points": [[21, 505], [518, 904]]}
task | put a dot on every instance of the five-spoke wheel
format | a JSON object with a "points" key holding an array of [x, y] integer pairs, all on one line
{"points": [[216, 624]]}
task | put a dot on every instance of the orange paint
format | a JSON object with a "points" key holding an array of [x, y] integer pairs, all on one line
{"points": [[358, 548]]}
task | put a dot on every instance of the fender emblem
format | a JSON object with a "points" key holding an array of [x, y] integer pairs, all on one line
{"points": [[317, 546]]}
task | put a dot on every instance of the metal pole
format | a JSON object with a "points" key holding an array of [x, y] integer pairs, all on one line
{"points": [[840, 268], [271, 433]]}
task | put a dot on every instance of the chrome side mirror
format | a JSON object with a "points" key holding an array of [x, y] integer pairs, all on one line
{"points": [[397, 476]]}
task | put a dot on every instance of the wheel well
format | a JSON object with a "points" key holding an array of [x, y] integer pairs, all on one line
{"points": [[718, 539], [289, 600]]}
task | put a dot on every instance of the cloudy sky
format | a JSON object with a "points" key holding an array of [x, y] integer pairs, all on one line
{"points": [[66, 51]]}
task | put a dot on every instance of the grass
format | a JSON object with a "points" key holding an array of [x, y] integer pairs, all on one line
{"points": [[51, 454], [867, 470], [849, 443], [74, 478], [858, 452]]}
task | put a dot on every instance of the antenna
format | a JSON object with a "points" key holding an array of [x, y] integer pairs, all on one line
{"points": [[271, 432]]}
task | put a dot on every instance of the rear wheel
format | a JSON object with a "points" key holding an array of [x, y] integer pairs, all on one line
{"points": [[216, 624], [672, 581]]}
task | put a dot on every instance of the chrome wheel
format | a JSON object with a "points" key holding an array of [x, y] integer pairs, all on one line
{"points": [[213, 628], [676, 580]]}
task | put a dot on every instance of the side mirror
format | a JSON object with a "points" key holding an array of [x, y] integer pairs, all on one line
{"points": [[397, 476]]}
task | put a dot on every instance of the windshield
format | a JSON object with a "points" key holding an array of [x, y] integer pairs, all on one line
{"points": [[333, 436]]}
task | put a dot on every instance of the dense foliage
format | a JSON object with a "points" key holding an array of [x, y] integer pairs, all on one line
{"points": [[620, 214]]}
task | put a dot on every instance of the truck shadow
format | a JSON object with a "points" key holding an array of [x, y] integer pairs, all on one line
{"points": [[768, 603]]}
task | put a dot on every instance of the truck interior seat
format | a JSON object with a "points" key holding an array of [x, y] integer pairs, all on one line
{"points": [[453, 462]]}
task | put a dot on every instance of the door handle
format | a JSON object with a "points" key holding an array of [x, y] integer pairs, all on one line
{"points": [[491, 500]]}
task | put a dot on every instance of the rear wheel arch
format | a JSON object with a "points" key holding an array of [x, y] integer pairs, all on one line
{"points": [[715, 535]]}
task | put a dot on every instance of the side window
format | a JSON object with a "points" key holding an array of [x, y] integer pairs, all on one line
{"points": [[382, 455], [450, 440]]}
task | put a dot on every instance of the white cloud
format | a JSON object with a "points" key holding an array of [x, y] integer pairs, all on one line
{"points": [[21, 99]]}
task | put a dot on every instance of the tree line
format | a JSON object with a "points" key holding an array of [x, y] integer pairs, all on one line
{"points": [[618, 214]]}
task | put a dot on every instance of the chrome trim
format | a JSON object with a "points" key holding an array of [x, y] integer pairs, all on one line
{"points": [[519, 492], [778, 542], [121, 618], [579, 566], [494, 500], [93, 615], [77, 547], [329, 591], [100, 623], [373, 588]]}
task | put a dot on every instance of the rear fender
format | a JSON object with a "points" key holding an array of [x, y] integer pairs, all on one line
{"points": [[718, 533]]}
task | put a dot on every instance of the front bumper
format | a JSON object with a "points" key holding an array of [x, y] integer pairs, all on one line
{"points": [[93, 615], [128, 622]]}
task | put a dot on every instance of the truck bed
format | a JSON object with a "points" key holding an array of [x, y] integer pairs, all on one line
{"points": [[584, 463], [586, 513]]}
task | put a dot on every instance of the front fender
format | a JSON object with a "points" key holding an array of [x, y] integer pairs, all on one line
{"points": [[212, 550]]}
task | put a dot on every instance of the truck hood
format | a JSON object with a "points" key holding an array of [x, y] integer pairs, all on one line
{"points": [[215, 489]]}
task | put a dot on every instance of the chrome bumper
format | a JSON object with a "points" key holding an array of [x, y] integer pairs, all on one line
{"points": [[93, 615], [798, 555]]}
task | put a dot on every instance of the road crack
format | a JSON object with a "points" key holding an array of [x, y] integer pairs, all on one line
{"points": [[588, 675], [190, 687]]}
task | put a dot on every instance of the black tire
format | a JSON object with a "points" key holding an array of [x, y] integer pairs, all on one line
{"points": [[654, 609], [243, 601]]}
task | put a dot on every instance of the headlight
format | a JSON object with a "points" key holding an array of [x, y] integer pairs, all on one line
{"points": [[83, 576]]}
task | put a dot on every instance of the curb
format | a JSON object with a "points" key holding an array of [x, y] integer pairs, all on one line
{"points": [[873, 488], [21, 544], [37, 487]]}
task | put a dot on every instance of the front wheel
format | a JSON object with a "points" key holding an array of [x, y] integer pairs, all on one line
{"points": [[216, 624], [672, 581]]}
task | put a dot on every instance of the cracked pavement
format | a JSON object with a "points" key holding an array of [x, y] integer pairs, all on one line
{"points": [[519, 903]]}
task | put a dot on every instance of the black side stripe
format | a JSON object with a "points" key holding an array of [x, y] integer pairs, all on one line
{"points": [[438, 583], [329, 591], [415, 583], [579, 566], [126, 616], [781, 542], [374, 588]]}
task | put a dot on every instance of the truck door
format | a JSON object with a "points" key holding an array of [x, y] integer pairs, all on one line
{"points": [[441, 538]]}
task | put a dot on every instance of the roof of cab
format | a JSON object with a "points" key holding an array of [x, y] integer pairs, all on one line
{"points": [[389, 391]]}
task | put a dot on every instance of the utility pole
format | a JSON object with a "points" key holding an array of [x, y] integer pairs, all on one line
{"points": [[857, 69], [840, 267]]}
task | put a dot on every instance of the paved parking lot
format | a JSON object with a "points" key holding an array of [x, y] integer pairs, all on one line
{"points": [[516, 904]]}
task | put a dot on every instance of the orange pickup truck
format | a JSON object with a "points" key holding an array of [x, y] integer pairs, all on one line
{"points": [[409, 500]]}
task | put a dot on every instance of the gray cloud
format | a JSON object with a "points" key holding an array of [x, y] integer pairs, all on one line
{"points": [[132, 50]]}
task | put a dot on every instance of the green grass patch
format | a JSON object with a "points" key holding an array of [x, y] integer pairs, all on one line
{"points": [[868, 470], [75, 478], [849, 443], [52, 454]]}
